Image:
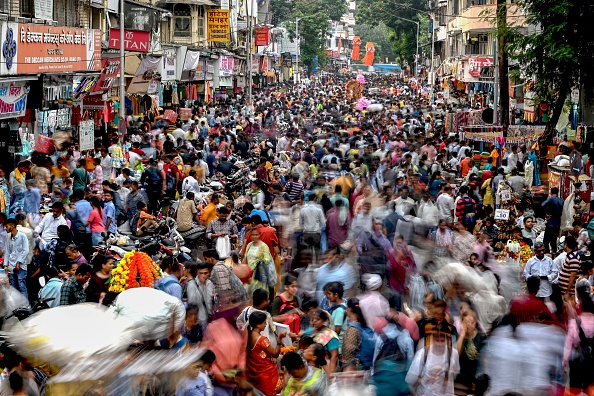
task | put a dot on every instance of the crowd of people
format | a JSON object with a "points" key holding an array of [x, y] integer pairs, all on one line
{"points": [[365, 247]]}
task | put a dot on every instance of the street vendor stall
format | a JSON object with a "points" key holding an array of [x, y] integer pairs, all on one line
{"points": [[561, 177]]}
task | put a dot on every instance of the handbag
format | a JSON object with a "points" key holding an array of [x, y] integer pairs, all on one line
{"points": [[223, 246]]}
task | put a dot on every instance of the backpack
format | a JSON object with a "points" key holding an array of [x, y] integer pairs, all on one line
{"points": [[389, 371], [170, 180], [76, 224], [228, 286], [155, 181], [390, 350], [469, 211], [367, 347], [586, 347], [163, 285]]}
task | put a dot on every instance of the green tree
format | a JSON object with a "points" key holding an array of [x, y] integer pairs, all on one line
{"points": [[403, 34], [558, 55], [379, 34], [314, 17]]}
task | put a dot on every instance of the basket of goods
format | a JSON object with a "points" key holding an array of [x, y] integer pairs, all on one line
{"points": [[136, 269]]}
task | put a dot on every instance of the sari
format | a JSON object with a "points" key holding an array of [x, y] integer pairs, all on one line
{"points": [[293, 320], [262, 369], [326, 337], [259, 260]]}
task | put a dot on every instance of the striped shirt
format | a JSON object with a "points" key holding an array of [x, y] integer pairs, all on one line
{"points": [[571, 265]]}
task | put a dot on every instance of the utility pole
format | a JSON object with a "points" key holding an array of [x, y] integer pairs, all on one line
{"points": [[296, 76], [431, 76], [249, 53], [122, 77], [502, 63], [495, 83]]}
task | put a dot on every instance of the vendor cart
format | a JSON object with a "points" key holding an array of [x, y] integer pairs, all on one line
{"points": [[562, 178]]}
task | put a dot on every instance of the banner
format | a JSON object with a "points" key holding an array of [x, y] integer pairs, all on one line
{"points": [[219, 25], [134, 40], [262, 37], [13, 99], [87, 135], [356, 52], [109, 75], [51, 49], [475, 64]]}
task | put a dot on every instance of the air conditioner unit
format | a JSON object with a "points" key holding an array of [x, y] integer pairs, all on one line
{"points": [[17, 19], [3, 17], [51, 23], [37, 20]]}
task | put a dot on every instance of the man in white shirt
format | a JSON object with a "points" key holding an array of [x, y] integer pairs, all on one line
{"points": [[543, 267], [312, 220], [200, 162], [21, 218], [105, 164], [513, 158], [48, 227], [178, 134], [445, 204]]}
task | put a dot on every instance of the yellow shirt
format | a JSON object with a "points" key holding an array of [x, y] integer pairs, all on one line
{"points": [[60, 172], [209, 214]]}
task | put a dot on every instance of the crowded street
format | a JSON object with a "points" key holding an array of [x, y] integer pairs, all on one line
{"points": [[332, 225]]}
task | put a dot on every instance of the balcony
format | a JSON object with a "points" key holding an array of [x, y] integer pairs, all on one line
{"points": [[481, 18]]}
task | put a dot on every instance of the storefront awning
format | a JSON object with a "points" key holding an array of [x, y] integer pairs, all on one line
{"points": [[194, 2], [18, 78]]}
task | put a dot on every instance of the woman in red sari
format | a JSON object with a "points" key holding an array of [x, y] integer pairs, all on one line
{"points": [[262, 367]]}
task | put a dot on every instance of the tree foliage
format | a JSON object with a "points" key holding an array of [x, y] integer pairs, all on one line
{"points": [[403, 34], [557, 51], [379, 34], [314, 24]]}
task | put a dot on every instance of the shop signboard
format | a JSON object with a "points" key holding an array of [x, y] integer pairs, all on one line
{"points": [[138, 17], [110, 71], [227, 64], [32, 49], [86, 135], [262, 36], [93, 102], [476, 64], [219, 25], [13, 99], [134, 40], [168, 64]]}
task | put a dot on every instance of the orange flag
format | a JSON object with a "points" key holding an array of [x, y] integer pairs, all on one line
{"points": [[356, 54], [369, 54]]}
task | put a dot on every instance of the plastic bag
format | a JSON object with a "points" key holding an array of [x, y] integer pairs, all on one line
{"points": [[224, 247], [44, 144], [154, 313]]}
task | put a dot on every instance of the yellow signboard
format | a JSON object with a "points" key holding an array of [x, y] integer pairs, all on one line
{"points": [[219, 25]]}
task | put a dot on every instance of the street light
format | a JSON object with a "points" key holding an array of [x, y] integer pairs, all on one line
{"points": [[417, 56], [296, 76]]}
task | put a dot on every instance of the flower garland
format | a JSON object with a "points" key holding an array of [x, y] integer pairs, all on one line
{"points": [[353, 90], [522, 256], [136, 269]]}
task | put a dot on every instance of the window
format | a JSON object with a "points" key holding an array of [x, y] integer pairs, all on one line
{"points": [[201, 22], [183, 20], [97, 15], [27, 8]]}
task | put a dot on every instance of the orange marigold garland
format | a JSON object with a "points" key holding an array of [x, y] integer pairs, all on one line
{"points": [[353, 90], [136, 269]]}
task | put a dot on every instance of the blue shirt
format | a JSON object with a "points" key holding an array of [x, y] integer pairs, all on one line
{"points": [[84, 209], [554, 207], [173, 287], [52, 289], [110, 212], [32, 200]]}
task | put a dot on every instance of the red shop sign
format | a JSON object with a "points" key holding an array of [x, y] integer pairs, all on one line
{"points": [[134, 40], [110, 69], [262, 37], [476, 64], [93, 102]]}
